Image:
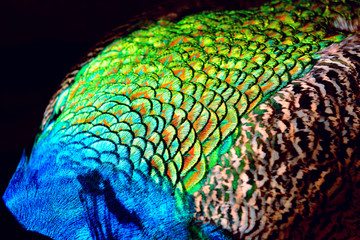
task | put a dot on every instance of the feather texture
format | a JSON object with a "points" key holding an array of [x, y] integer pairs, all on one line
{"points": [[182, 116]]}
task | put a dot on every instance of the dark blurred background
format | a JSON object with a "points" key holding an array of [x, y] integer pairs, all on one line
{"points": [[39, 42]]}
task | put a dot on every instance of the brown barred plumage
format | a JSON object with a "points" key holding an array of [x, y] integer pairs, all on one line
{"points": [[301, 149]]}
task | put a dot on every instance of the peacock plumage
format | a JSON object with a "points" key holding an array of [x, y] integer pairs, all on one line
{"points": [[225, 124]]}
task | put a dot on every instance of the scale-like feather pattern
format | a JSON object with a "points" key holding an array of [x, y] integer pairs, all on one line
{"points": [[155, 111], [243, 48]]}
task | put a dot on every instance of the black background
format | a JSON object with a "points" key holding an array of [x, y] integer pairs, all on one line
{"points": [[39, 42]]}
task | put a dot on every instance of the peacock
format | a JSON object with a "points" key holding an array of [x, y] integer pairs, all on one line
{"points": [[231, 124]]}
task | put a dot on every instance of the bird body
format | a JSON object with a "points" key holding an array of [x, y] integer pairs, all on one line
{"points": [[172, 121]]}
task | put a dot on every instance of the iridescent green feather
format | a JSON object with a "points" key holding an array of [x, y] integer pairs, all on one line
{"points": [[173, 93]]}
